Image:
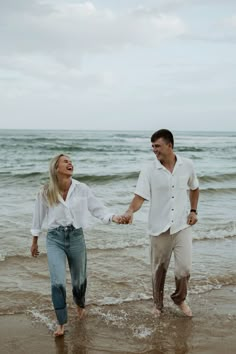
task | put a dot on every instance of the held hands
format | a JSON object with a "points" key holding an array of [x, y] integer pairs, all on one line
{"points": [[192, 218], [126, 218]]}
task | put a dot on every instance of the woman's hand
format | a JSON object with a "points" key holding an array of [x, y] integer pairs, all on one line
{"points": [[120, 219], [34, 248]]}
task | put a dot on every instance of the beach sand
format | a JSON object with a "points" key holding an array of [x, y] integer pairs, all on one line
{"points": [[131, 328]]}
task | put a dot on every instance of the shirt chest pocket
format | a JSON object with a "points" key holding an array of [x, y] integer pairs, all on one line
{"points": [[182, 182], [159, 182]]}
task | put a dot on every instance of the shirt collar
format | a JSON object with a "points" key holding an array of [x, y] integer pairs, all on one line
{"points": [[74, 183], [72, 187], [179, 161]]}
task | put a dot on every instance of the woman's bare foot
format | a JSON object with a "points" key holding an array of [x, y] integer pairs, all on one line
{"points": [[60, 331], [81, 312], [185, 309]]}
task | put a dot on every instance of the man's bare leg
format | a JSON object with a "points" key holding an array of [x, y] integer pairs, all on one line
{"points": [[60, 331], [185, 309], [81, 312]]}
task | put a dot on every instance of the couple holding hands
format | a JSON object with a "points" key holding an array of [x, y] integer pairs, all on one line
{"points": [[167, 183]]}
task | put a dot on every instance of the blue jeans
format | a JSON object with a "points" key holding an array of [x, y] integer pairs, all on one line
{"points": [[66, 243]]}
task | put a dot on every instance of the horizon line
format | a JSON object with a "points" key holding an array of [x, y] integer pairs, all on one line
{"points": [[110, 130]]}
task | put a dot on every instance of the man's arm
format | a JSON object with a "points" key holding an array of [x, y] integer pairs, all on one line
{"points": [[193, 197], [135, 205]]}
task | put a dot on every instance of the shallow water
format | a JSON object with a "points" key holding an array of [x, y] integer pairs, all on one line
{"points": [[119, 284]]}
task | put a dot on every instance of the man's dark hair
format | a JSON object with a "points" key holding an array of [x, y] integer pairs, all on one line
{"points": [[164, 134]]}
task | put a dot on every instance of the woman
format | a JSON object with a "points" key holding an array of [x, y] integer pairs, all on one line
{"points": [[65, 202]]}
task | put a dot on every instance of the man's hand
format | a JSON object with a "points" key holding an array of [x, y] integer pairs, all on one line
{"points": [[135, 205], [192, 218], [127, 217], [123, 219]]}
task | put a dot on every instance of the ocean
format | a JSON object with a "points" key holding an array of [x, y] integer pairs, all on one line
{"points": [[119, 276]]}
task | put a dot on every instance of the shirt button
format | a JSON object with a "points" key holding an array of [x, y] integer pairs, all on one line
{"points": [[172, 196]]}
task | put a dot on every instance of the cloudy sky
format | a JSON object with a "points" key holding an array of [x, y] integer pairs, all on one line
{"points": [[118, 64]]}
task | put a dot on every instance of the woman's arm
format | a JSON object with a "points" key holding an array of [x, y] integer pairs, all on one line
{"points": [[40, 211]]}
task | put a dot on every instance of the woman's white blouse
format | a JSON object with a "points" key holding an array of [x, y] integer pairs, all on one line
{"points": [[73, 211]]}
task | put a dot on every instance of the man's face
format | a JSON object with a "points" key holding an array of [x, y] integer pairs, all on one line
{"points": [[161, 149]]}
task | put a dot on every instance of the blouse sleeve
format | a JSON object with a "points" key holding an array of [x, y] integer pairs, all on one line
{"points": [[39, 214], [97, 209]]}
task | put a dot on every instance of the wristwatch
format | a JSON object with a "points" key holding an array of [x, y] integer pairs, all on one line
{"points": [[193, 211]]}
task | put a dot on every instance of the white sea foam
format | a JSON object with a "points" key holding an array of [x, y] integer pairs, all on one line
{"points": [[117, 319], [39, 317], [197, 290], [115, 301], [142, 332], [2, 257]]}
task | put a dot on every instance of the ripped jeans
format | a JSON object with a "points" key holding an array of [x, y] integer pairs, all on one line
{"points": [[66, 243]]}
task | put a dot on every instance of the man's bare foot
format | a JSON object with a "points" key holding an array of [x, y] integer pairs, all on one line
{"points": [[60, 331], [81, 312], [156, 312], [185, 309]]}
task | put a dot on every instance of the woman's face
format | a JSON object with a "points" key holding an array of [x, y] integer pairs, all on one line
{"points": [[64, 166]]}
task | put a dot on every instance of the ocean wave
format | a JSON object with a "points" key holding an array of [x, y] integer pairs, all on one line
{"points": [[39, 317], [188, 149], [110, 300], [201, 286], [131, 135], [213, 235], [39, 305], [109, 246], [103, 179], [218, 178], [104, 149], [216, 232], [218, 190], [198, 236], [28, 174], [55, 148], [99, 179]]}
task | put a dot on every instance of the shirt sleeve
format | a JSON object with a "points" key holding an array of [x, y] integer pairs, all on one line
{"points": [[193, 180], [97, 209], [143, 185], [39, 214]]}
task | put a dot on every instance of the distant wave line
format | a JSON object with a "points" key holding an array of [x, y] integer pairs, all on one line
{"points": [[218, 190], [80, 178], [218, 178], [122, 176]]}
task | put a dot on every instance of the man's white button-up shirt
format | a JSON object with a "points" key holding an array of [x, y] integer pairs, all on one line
{"points": [[72, 211], [168, 194]]}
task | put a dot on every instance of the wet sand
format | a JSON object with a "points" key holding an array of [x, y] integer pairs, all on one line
{"points": [[131, 328]]}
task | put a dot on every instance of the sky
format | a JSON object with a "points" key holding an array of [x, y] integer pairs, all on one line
{"points": [[118, 64]]}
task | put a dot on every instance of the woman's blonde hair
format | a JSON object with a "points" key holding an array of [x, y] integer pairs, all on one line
{"points": [[51, 190]]}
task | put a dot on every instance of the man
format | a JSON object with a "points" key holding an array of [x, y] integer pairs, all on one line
{"points": [[168, 183]]}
